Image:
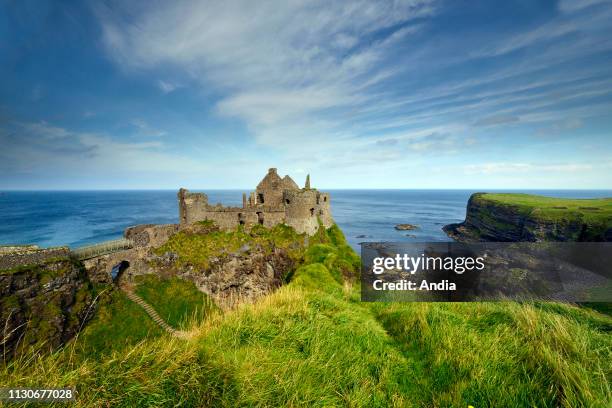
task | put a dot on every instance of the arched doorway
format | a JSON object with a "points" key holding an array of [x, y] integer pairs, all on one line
{"points": [[118, 270]]}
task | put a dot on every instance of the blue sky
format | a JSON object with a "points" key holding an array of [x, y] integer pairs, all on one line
{"points": [[361, 94]]}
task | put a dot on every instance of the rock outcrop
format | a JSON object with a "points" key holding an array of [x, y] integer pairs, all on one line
{"points": [[242, 276], [42, 305], [405, 227], [493, 220]]}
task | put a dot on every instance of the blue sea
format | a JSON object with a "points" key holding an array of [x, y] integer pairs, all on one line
{"points": [[77, 218]]}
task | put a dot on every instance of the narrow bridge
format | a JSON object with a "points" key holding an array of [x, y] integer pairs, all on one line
{"points": [[102, 248]]}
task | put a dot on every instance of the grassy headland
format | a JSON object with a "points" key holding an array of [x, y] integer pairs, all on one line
{"points": [[313, 343], [595, 211], [525, 217]]}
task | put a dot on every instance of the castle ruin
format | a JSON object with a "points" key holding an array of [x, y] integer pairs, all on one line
{"points": [[275, 200]]}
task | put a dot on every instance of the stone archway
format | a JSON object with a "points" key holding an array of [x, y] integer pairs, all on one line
{"points": [[118, 269]]}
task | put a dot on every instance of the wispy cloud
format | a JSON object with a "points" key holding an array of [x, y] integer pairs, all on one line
{"points": [[358, 87], [276, 62], [145, 130], [31, 147], [167, 86], [497, 120], [513, 168]]}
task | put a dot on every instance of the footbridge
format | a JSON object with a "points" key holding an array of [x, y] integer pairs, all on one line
{"points": [[102, 248]]}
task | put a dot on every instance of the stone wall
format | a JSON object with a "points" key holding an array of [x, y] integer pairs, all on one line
{"points": [[150, 234], [274, 201], [144, 238], [12, 257], [228, 218], [270, 190], [191, 206], [99, 268], [324, 208], [304, 209]]}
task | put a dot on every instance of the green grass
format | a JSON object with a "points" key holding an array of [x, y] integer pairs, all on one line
{"points": [[118, 324], [555, 209], [545, 218], [197, 249], [503, 354], [313, 343], [177, 301]]}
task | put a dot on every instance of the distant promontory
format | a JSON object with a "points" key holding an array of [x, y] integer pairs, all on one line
{"points": [[525, 217]]}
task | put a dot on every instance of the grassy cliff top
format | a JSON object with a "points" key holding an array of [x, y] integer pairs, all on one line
{"points": [[313, 343], [598, 210]]}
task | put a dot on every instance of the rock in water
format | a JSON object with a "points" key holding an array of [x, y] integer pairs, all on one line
{"points": [[405, 227]]}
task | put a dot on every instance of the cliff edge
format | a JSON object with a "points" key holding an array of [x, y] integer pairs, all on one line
{"points": [[524, 217], [45, 299]]}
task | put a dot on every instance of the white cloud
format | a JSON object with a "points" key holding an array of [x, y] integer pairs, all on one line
{"points": [[45, 131], [144, 130], [562, 125], [326, 80], [514, 168], [167, 86], [568, 6], [31, 147], [275, 61]]}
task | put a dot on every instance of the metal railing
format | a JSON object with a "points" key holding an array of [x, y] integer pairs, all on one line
{"points": [[102, 248]]}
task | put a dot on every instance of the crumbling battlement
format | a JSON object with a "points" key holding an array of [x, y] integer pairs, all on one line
{"points": [[275, 200]]}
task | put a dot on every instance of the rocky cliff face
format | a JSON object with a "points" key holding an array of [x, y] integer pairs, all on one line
{"points": [[42, 305], [229, 266], [242, 276], [489, 220]]}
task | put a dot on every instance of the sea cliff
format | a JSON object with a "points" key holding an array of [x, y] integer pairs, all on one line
{"points": [[43, 303], [524, 217]]}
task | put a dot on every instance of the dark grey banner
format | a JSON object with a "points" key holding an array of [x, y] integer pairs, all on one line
{"points": [[459, 272]]}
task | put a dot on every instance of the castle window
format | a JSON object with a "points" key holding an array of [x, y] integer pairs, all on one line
{"points": [[260, 198], [287, 201], [312, 212], [318, 198], [240, 219], [324, 199], [260, 218]]}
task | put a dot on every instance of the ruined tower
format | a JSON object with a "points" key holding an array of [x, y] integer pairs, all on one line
{"points": [[275, 200]]}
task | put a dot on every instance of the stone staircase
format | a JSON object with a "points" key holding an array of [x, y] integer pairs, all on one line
{"points": [[152, 313]]}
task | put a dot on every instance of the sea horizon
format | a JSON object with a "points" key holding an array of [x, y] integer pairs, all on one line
{"points": [[82, 217], [322, 189]]}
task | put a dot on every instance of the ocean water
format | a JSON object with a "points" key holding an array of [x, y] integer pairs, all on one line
{"points": [[77, 218]]}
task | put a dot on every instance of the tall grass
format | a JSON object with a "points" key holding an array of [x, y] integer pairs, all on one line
{"points": [[117, 325], [177, 301], [313, 343]]}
